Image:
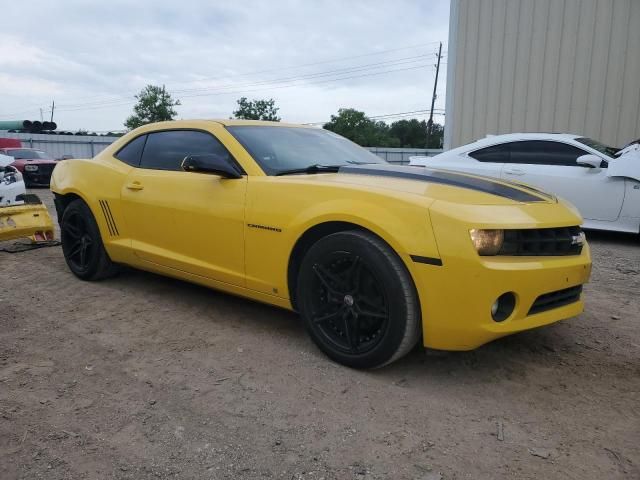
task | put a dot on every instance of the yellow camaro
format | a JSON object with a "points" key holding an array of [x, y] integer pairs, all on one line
{"points": [[373, 256]]}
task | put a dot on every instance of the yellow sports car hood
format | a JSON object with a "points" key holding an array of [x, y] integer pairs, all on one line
{"points": [[440, 184]]}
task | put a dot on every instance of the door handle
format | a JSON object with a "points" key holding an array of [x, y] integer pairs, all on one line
{"points": [[514, 171], [135, 185]]}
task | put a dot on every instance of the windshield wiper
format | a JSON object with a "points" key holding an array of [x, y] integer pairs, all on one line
{"points": [[316, 168]]}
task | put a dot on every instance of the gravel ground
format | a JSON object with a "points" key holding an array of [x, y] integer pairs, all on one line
{"points": [[144, 377]]}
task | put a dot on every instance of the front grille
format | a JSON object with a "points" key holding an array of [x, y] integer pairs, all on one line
{"points": [[543, 241], [46, 168], [559, 298], [40, 176]]}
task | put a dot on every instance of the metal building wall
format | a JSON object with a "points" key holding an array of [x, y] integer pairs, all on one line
{"points": [[59, 145], [401, 156], [543, 66], [88, 146]]}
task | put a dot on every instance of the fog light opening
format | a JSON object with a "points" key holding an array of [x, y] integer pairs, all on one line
{"points": [[503, 307]]}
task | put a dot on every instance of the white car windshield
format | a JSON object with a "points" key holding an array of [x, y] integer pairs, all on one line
{"points": [[600, 147], [26, 154]]}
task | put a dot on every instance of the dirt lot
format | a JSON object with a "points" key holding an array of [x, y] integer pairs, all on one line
{"points": [[144, 377]]}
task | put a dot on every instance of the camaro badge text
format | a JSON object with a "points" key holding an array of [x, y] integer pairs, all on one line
{"points": [[264, 227]]}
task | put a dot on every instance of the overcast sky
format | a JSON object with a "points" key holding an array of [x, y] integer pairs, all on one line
{"points": [[312, 57]]}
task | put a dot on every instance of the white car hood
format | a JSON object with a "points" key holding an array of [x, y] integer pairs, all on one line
{"points": [[6, 160], [627, 164]]}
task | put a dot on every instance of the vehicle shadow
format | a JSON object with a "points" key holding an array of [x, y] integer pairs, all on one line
{"points": [[510, 356], [620, 238], [506, 357]]}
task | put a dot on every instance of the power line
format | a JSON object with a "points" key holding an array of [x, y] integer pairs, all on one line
{"points": [[245, 74], [335, 60], [391, 115], [261, 89], [370, 66]]}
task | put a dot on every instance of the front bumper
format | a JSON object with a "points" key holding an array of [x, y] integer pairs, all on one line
{"points": [[456, 298], [28, 220], [39, 178], [11, 194]]}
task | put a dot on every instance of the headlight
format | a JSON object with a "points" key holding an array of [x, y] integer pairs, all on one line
{"points": [[8, 179], [487, 242], [31, 168]]}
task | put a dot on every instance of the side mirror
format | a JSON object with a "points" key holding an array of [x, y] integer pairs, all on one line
{"points": [[591, 161], [210, 163]]}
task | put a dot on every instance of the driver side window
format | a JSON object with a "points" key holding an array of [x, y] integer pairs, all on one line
{"points": [[541, 152], [167, 149]]}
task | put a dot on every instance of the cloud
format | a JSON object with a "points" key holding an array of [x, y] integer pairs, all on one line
{"points": [[92, 57]]}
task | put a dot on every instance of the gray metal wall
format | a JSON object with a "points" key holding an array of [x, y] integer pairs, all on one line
{"points": [[401, 155], [87, 147], [545, 65], [59, 145]]}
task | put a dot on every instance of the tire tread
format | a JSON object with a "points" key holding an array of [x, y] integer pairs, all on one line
{"points": [[408, 332], [105, 268], [413, 327]]}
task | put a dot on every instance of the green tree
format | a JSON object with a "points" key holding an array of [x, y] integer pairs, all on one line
{"points": [[410, 133], [436, 140], [257, 110], [357, 127], [413, 133], [154, 105]]}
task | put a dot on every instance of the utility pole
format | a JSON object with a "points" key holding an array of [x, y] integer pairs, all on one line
{"points": [[53, 106], [433, 99]]}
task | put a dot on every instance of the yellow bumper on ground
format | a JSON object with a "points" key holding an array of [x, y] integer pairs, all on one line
{"points": [[28, 220]]}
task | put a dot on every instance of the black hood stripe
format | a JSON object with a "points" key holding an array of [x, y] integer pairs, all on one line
{"points": [[479, 184]]}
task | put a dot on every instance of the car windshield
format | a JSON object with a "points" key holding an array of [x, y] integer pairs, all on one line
{"points": [[600, 147], [281, 149], [26, 154]]}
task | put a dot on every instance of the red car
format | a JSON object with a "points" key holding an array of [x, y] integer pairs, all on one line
{"points": [[35, 165]]}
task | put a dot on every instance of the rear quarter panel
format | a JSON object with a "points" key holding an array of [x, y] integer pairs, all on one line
{"points": [[95, 181]]}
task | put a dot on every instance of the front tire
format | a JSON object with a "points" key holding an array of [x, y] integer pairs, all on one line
{"points": [[358, 300], [82, 244]]}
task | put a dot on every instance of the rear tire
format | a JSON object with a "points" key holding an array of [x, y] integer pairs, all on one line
{"points": [[357, 300], [82, 244]]}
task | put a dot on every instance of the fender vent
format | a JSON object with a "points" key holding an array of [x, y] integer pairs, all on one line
{"points": [[108, 216]]}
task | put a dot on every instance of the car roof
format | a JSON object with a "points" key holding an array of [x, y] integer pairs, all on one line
{"points": [[230, 123], [514, 137], [260, 123]]}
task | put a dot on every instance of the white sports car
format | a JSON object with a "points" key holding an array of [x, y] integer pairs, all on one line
{"points": [[601, 181], [12, 188]]}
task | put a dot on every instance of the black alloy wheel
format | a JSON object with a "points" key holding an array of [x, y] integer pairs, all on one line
{"points": [[358, 300], [82, 245], [78, 244], [350, 308]]}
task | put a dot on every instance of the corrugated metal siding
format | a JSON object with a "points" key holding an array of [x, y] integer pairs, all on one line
{"points": [[59, 145], [87, 147], [401, 155], [544, 65]]}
